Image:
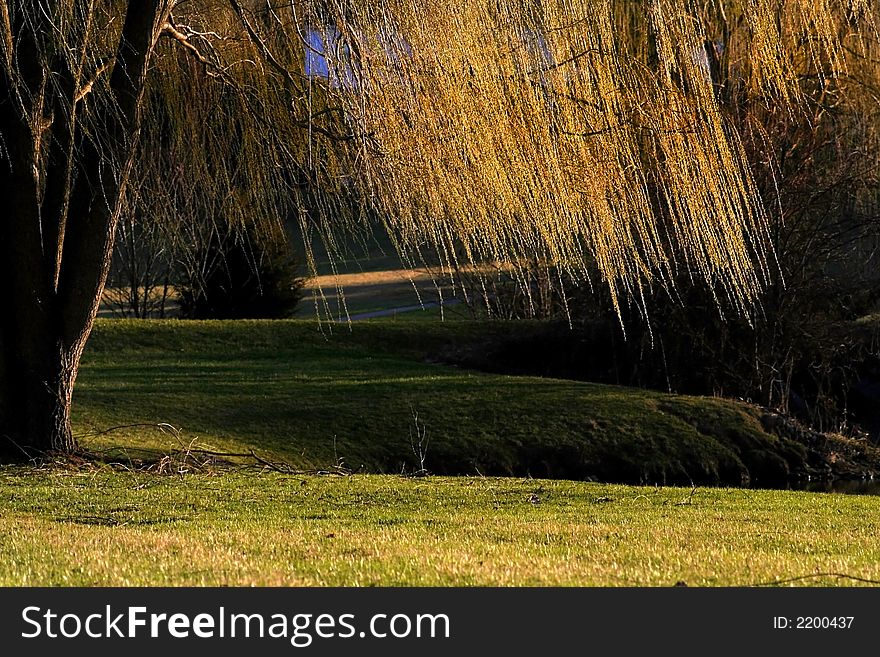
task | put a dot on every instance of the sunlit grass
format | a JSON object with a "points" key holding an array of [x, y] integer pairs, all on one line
{"points": [[118, 528]]}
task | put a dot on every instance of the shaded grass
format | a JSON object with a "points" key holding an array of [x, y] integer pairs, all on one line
{"points": [[129, 528], [311, 398]]}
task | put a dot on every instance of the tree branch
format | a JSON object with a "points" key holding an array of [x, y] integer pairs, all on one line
{"points": [[103, 170], [6, 29], [261, 45], [170, 30], [85, 89]]}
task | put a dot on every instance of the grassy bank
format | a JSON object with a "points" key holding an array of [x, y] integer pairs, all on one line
{"points": [[364, 395], [104, 527]]}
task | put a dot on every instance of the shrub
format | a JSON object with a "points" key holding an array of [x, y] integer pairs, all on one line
{"points": [[243, 278]]}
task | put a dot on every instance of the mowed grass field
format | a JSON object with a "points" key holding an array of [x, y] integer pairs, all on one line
{"points": [[366, 292], [364, 397], [363, 394], [237, 528]]}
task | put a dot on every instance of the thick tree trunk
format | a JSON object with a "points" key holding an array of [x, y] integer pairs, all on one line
{"points": [[37, 420], [59, 223], [37, 368]]}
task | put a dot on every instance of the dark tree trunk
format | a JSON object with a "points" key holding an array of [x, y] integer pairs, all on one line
{"points": [[59, 221], [40, 391]]}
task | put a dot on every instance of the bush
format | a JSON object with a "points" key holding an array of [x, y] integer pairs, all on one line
{"points": [[243, 279]]}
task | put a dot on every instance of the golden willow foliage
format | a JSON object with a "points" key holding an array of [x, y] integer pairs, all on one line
{"points": [[236, 139], [590, 135], [584, 134], [215, 154]]}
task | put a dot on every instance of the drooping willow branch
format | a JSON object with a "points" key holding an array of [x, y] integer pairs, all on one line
{"points": [[592, 135]]}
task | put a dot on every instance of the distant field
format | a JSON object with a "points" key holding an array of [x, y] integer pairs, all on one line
{"points": [[342, 296], [364, 292]]}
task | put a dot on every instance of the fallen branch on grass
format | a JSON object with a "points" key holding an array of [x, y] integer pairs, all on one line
{"points": [[800, 578]]}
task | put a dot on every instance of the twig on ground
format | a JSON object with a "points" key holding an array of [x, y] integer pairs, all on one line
{"points": [[799, 578], [689, 498], [162, 426], [418, 441]]}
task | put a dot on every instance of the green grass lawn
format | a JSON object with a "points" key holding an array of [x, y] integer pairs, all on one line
{"points": [[127, 528], [309, 399]]}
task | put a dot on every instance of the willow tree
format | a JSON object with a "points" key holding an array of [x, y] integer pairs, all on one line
{"points": [[71, 92], [586, 133]]}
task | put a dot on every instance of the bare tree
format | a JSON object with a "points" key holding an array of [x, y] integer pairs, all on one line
{"points": [[143, 270]]}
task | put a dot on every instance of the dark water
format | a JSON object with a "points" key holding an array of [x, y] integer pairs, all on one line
{"points": [[847, 486]]}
